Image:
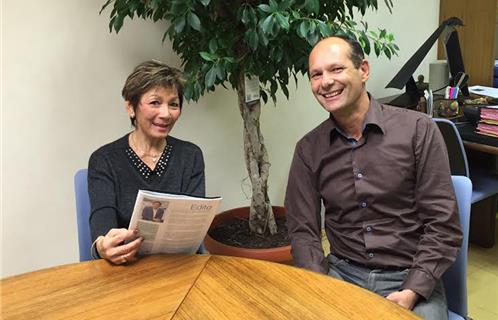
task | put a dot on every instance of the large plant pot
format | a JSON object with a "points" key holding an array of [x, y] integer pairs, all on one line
{"points": [[279, 255]]}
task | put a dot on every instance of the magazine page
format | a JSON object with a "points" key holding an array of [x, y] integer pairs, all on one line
{"points": [[171, 223]]}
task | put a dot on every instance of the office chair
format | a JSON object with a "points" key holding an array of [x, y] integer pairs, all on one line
{"points": [[485, 184], [83, 214], [455, 278]]}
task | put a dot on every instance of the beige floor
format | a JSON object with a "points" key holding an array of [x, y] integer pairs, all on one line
{"points": [[482, 281]]}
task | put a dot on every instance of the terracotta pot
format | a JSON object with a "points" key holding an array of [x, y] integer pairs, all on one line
{"points": [[280, 254]]}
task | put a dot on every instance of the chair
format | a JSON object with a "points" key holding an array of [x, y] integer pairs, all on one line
{"points": [[485, 185], [83, 214], [455, 278]]}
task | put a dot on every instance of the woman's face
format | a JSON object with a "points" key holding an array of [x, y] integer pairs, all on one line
{"points": [[157, 112]]}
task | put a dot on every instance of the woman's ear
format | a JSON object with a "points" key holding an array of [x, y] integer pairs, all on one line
{"points": [[129, 109]]}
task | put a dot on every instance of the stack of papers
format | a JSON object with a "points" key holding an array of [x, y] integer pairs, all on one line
{"points": [[488, 124], [484, 91]]}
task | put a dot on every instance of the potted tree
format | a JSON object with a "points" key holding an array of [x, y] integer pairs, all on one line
{"points": [[249, 44]]}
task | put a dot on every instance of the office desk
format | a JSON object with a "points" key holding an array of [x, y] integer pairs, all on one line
{"points": [[188, 287], [481, 154], [476, 141]]}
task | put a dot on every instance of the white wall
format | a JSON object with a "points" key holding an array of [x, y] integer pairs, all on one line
{"points": [[62, 73]]}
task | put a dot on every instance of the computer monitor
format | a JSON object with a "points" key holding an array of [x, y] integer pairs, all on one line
{"points": [[404, 78]]}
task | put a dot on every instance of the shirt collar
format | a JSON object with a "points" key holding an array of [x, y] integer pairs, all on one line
{"points": [[373, 119]]}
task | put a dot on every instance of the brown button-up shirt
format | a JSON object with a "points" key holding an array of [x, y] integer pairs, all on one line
{"points": [[388, 197]]}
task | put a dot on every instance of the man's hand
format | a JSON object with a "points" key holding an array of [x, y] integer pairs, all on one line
{"points": [[405, 298]]}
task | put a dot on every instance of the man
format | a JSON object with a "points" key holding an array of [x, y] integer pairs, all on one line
{"points": [[382, 174], [154, 212]]}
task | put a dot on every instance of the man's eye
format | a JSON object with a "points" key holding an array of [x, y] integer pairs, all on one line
{"points": [[316, 75], [337, 70]]}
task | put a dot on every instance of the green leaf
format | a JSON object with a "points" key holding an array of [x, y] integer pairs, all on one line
{"points": [[210, 77], [220, 72], [213, 45], [194, 21], [265, 8], [365, 43], [377, 49], [188, 93], [267, 24], [303, 29], [285, 90], [179, 24], [263, 95], [312, 27], [273, 6], [108, 2], [282, 21], [118, 23], [245, 16], [312, 38], [387, 52], [312, 6], [207, 56], [252, 39], [263, 38], [325, 30], [205, 2]]}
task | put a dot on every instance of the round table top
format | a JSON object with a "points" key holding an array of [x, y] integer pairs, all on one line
{"points": [[188, 287]]}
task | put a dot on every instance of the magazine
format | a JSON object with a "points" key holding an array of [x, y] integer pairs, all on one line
{"points": [[172, 223]]}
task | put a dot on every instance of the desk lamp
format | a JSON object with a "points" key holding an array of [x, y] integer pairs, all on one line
{"points": [[404, 78]]}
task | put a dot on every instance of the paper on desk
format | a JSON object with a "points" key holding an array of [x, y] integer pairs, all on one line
{"points": [[484, 91]]}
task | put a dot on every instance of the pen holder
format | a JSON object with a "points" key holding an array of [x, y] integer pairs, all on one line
{"points": [[447, 108]]}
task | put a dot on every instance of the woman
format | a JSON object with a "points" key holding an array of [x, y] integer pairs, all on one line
{"points": [[147, 158]]}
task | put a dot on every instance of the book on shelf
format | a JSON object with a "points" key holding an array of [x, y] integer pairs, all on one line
{"points": [[488, 121], [172, 223]]}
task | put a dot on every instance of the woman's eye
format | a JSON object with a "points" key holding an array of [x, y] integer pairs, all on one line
{"points": [[155, 103], [174, 105]]}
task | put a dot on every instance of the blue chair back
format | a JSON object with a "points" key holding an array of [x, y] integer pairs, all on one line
{"points": [[485, 183], [456, 152], [83, 214], [455, 278]]}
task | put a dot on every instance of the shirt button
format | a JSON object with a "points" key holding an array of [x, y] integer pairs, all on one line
{"points": [[370, 255], [369, 228], [359, 175], [363, 204]]}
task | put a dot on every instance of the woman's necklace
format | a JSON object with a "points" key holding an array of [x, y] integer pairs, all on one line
{"points": [[143, 154]]}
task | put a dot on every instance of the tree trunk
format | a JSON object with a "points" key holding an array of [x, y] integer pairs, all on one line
{"points": [[261, 219]]}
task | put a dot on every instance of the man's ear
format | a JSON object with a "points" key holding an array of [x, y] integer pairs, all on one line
{"points": [[365, 70], [129, 109]]}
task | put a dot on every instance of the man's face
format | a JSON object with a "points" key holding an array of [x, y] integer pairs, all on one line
{"points": [[156, 205], [335, 82]]}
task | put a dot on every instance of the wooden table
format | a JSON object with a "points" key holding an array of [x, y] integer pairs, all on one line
{"points": [[188, 287]]}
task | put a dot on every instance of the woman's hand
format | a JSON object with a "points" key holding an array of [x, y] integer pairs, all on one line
{"points": [[112, 247]]}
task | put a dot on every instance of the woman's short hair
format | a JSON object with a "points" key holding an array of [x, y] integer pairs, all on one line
{"points": [[149, 75]]}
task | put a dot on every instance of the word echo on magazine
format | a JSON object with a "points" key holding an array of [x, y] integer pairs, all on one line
{"points": [[200, 207]]}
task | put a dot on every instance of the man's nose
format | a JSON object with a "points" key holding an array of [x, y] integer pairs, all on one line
{"points": [[327, 79]]}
